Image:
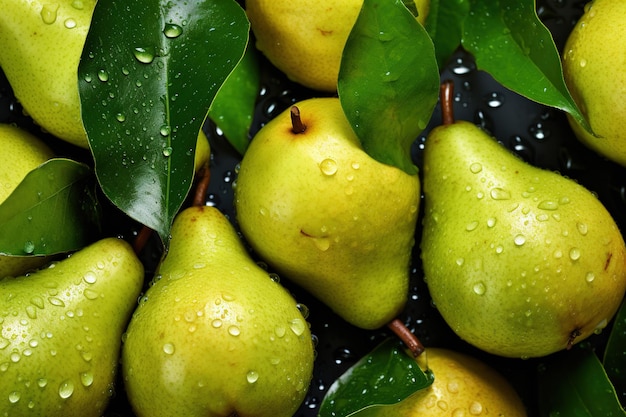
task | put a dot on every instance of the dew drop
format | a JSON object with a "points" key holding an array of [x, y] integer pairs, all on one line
{"points": [[280, 331], [168, 348], [29, 247], [49, 13], [519, 240], [42, 382], [460, 261], [144, 55], [69, 23], [475, 168], [548, 205], [574, 254], [56, 301], [86, 378], [328, 167], [90, 294], [234, 331], [476, 408], [590, 277], [103, 75], [297, 326], [90, 277], [66, 389], [471, 226], [479, 288], [167, 151], [217, 323], [494, 100], [14, 397], [491, 222], [120, 117], [582, 228], [252, 377], [499, 194], [172, 30], [583, 63], [165, 130]]}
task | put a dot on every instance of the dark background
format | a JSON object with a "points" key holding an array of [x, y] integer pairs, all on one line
{"points": [[540, 135]]}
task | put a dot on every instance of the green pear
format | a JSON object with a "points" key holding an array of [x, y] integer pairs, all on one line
{"points": [[22, 152], [62, 328], [41, 46], [324, 214], [520, 261], [215, 335], [305, 39], [594, 75], [463, 386]]}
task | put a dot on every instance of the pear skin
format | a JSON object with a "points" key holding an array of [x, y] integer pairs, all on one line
{"points": [[305, 39], [41, 47], [22, 152], [327, 216], [62, 328], [215, 335], [594, 75], [519, 261], [463, 386]]}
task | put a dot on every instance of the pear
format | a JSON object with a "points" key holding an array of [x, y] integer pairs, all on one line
{"points": [[519, 261], [215, 335], [305, 39], [62, 328], [22, 152], [595, 77], [463, 386], [324, 214]]}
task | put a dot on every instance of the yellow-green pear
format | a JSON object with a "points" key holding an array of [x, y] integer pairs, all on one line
{"points": [[61, 331], [305, 39], [463, 386], [519, 261], [41, 46], [22, 152], [324, 214], [215, 335], [593, 72]]}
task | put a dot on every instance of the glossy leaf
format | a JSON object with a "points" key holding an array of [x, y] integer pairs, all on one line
{"points": [[444, 24], [233, 108], [388, 81], [385, 376], [509, 42], [53, 210], [615, 353], [147, 77], [574, 384]]}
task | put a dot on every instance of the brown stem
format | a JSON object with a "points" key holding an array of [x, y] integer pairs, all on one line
{"points": [[297, 126], [142, 238], [446, 99], [410, 340], [204, 177]]}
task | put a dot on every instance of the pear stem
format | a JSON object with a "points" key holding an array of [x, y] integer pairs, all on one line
{"points": [[296, 121], [446, 99], [410, 340], [204, 178], [142, 238]]}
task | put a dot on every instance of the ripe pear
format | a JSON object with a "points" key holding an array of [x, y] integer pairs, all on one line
{"points": [[595, 77], [520, 261], [305, 39], [22, 152], [215, 335], [41, 47], [463, 386], [62, 328], [324, 214]]}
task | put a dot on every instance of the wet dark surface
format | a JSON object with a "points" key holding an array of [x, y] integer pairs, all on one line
{"points": [[538, 134]]}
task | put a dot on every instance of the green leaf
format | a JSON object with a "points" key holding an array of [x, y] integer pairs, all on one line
{"points": [[388, 81], [147, 76], [444, 24], [615, 353], [574, 384], [385, 376], [233, 108], [53, 210], [508, 41]]}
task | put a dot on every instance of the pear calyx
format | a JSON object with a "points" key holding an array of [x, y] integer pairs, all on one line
{"points": [[297, 126]]}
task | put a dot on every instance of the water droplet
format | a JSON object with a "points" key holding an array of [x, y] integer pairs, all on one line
{"points": [[167, 151], [304, 310], [297, 326], [494, 100], [519, 240], [234, 331], [583, 63], [66, 389], [14, 397], [574, 254], [49, 13], [217, 323], [90, 277], [103, 75], [280, 331], [29, 247], [172, 30], [479, 288], [86, 378], [252, 377], [165, 130], [460, 261], [168, 348], [90, 294], [144, 55], [56, 301], [42, 382], [491, 222], [582, 228], [590, 277], [476, 167], [69, 23], [548, 205], [499, 194], [120, 117], [471, 226], [328, 167]]}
